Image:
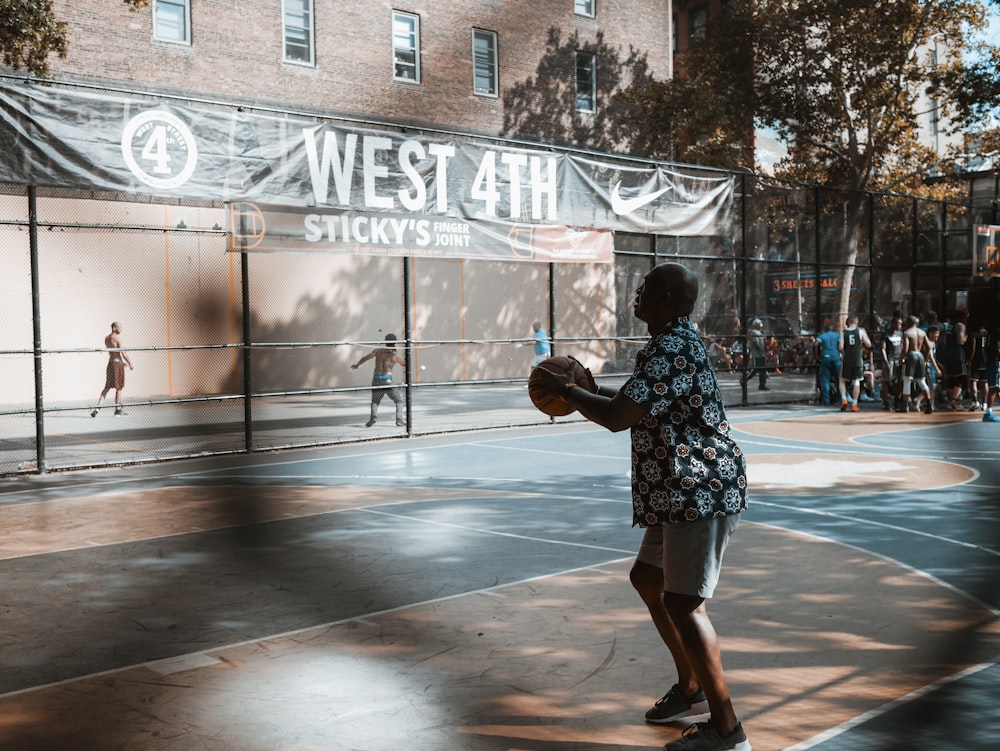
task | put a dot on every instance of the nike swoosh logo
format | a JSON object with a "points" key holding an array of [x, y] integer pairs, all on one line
{"points": [[622, 206]]}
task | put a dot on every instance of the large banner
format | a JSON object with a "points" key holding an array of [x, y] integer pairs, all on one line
{"points": [[52, 136]]}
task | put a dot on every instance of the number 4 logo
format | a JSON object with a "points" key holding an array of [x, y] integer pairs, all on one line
{"points": [[159, 149]]}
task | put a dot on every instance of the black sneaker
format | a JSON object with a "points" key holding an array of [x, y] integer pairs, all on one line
{"points": [[370, 423], [120, 412], [673, 705], [94, 413], [702, 736]]}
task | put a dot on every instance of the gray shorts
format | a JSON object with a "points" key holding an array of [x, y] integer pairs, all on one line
{"points": [[691, 557]]}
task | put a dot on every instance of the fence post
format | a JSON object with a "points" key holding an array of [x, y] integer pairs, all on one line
{"points": [[247, 380], [744, 240], [408, 338], [36, 325], [552, 308]]}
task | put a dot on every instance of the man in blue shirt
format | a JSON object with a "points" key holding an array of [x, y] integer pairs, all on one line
{"points": [[689, 489], [542, 347], [828, 355]]}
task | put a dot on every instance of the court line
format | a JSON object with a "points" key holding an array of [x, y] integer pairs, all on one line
{"points": [[872, 714], [872, 523], [494, 533]]}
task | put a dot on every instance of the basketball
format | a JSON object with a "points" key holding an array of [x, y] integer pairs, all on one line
{"points": [[540, 385]]}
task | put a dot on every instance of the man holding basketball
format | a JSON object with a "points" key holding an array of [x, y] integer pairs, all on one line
{"points": [[688, 490]]}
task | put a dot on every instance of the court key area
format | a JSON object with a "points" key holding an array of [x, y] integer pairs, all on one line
{"points": [[470, 591]]}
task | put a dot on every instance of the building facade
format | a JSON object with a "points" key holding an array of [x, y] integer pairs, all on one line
{"points": [[452, 64]]}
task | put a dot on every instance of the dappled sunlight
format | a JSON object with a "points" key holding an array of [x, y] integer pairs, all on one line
{"points": [[850, 473]]}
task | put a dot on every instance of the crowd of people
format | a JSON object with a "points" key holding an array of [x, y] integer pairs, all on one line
{"points": [[910, 364]]}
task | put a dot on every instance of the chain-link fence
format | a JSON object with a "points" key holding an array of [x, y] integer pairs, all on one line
{"points": [[243, 351]]}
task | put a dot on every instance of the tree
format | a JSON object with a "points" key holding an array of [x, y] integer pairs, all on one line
{"points": [[543, 107], [30, 33], [842, 83]]}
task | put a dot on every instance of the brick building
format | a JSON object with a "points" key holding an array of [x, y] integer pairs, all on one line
{"points": [[468, 66]]}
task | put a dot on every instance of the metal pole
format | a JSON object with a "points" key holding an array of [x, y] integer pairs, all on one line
{"points": [[818, 264], [408, 338], [943, 258], [552, 308], [247, 360], [36, 325], [915, 219], [872, 322], [744, 239]]}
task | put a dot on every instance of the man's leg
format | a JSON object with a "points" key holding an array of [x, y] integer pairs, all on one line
{"points": [[648, 582], [397, 398], [701, 646], [376, 399]]}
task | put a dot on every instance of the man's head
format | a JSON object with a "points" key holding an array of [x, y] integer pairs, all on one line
{"points": [[116, 328], [668, 291], [852, 321], [390, 340], [933, 332], [536, 326]]}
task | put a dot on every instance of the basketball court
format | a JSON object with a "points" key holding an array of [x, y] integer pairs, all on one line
{"points": [[470, 591]]}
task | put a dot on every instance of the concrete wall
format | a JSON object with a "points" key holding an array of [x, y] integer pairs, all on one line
{"points": [[178, 297]]}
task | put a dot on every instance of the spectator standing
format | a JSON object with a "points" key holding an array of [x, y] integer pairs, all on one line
{"points": [[979, 382], [891, 348], [953, 360], [992, 375], [828, 355], [758, 353]]}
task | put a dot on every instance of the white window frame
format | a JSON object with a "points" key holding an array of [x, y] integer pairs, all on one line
{"points": [[309, 31], [412, 46], [493, 64], [586, 8], [592, 94], [158, 30]]}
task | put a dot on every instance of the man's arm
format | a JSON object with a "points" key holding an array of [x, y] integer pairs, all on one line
{"points": [[616, 412], [364, 359]]}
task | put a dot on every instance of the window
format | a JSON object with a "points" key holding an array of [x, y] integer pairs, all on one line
{"points": [[405, 47], [484, 63], [586, 81], [584, 7], [172, 21], [697, 23], [298, 20]]}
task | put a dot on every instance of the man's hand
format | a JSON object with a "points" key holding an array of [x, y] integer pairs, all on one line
{"points": [[551, 382]]}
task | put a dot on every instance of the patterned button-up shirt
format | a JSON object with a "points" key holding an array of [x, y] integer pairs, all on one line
{"points": [[685, 463]]}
